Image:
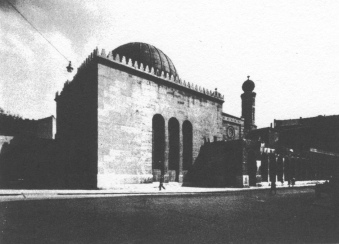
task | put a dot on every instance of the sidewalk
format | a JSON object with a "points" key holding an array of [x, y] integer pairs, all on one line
{"points": [[126, 190]]}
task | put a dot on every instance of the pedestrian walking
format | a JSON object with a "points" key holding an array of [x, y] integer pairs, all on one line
{"points": [[293, 181], [161, 185], [273, 187]]}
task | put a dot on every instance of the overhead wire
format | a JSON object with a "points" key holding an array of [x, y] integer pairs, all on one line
{"points": [[36, 29]]}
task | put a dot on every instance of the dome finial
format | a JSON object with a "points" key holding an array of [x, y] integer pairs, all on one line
{"points": [[248, 77]]}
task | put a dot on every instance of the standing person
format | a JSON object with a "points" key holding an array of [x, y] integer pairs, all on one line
{"points": [[293, 181], [161, 185], [273, 187]]}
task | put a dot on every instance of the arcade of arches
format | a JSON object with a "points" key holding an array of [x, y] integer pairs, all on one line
{"points": [[172, 148]]}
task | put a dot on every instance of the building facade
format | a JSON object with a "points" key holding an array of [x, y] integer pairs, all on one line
{"points": [[127, 117], [299, 149], [28, 153]]}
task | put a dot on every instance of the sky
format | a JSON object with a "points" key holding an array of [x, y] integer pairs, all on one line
{"points": [[289, 48]]}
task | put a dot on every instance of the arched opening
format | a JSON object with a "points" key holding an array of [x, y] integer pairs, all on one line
{"points": [[158, 147], [174, 149], [252, 168], [187, 138]]}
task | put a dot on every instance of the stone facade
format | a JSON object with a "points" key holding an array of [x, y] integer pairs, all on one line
{"points": [[108, 117], [233, 127], [125, 131], [300, 149], [77, 128], [321, 132]]}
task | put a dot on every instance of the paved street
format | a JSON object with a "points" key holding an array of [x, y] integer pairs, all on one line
{"points": [[247, 216]]}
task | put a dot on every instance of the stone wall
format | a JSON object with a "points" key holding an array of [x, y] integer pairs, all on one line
{"points": [[127, 102], [105, 119], [77, 128]]}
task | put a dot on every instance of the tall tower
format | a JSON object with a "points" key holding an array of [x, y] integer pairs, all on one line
{"points": [[248, 105]]}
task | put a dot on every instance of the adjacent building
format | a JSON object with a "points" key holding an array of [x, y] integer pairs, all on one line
{"points": [[303, 149]]}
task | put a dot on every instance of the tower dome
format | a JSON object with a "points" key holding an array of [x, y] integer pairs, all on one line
{"points": [[248, 85], [147, 55]]}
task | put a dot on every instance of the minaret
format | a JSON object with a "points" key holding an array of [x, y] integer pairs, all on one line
{"points": [[248, 105]]}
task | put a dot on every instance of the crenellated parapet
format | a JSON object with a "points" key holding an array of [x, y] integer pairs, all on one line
{"points": [[145, 69]]}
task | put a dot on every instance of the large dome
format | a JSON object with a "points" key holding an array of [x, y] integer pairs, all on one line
{"points": [[148, 55]]}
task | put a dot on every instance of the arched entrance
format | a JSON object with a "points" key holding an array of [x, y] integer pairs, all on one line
{"points": [[187, 139], [158, 144], [252, 168], [174, 149]]}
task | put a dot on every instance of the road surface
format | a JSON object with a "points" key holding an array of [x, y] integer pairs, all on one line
{"points": [[247, 216]]}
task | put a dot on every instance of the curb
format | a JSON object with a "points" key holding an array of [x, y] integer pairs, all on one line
{"points": [[98, 193]]}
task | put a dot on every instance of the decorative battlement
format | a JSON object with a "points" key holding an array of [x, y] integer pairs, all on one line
{"points": [[146, 69]]}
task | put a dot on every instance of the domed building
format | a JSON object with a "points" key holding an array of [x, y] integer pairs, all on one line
{"points": [[127, 117], [148, 55]]}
